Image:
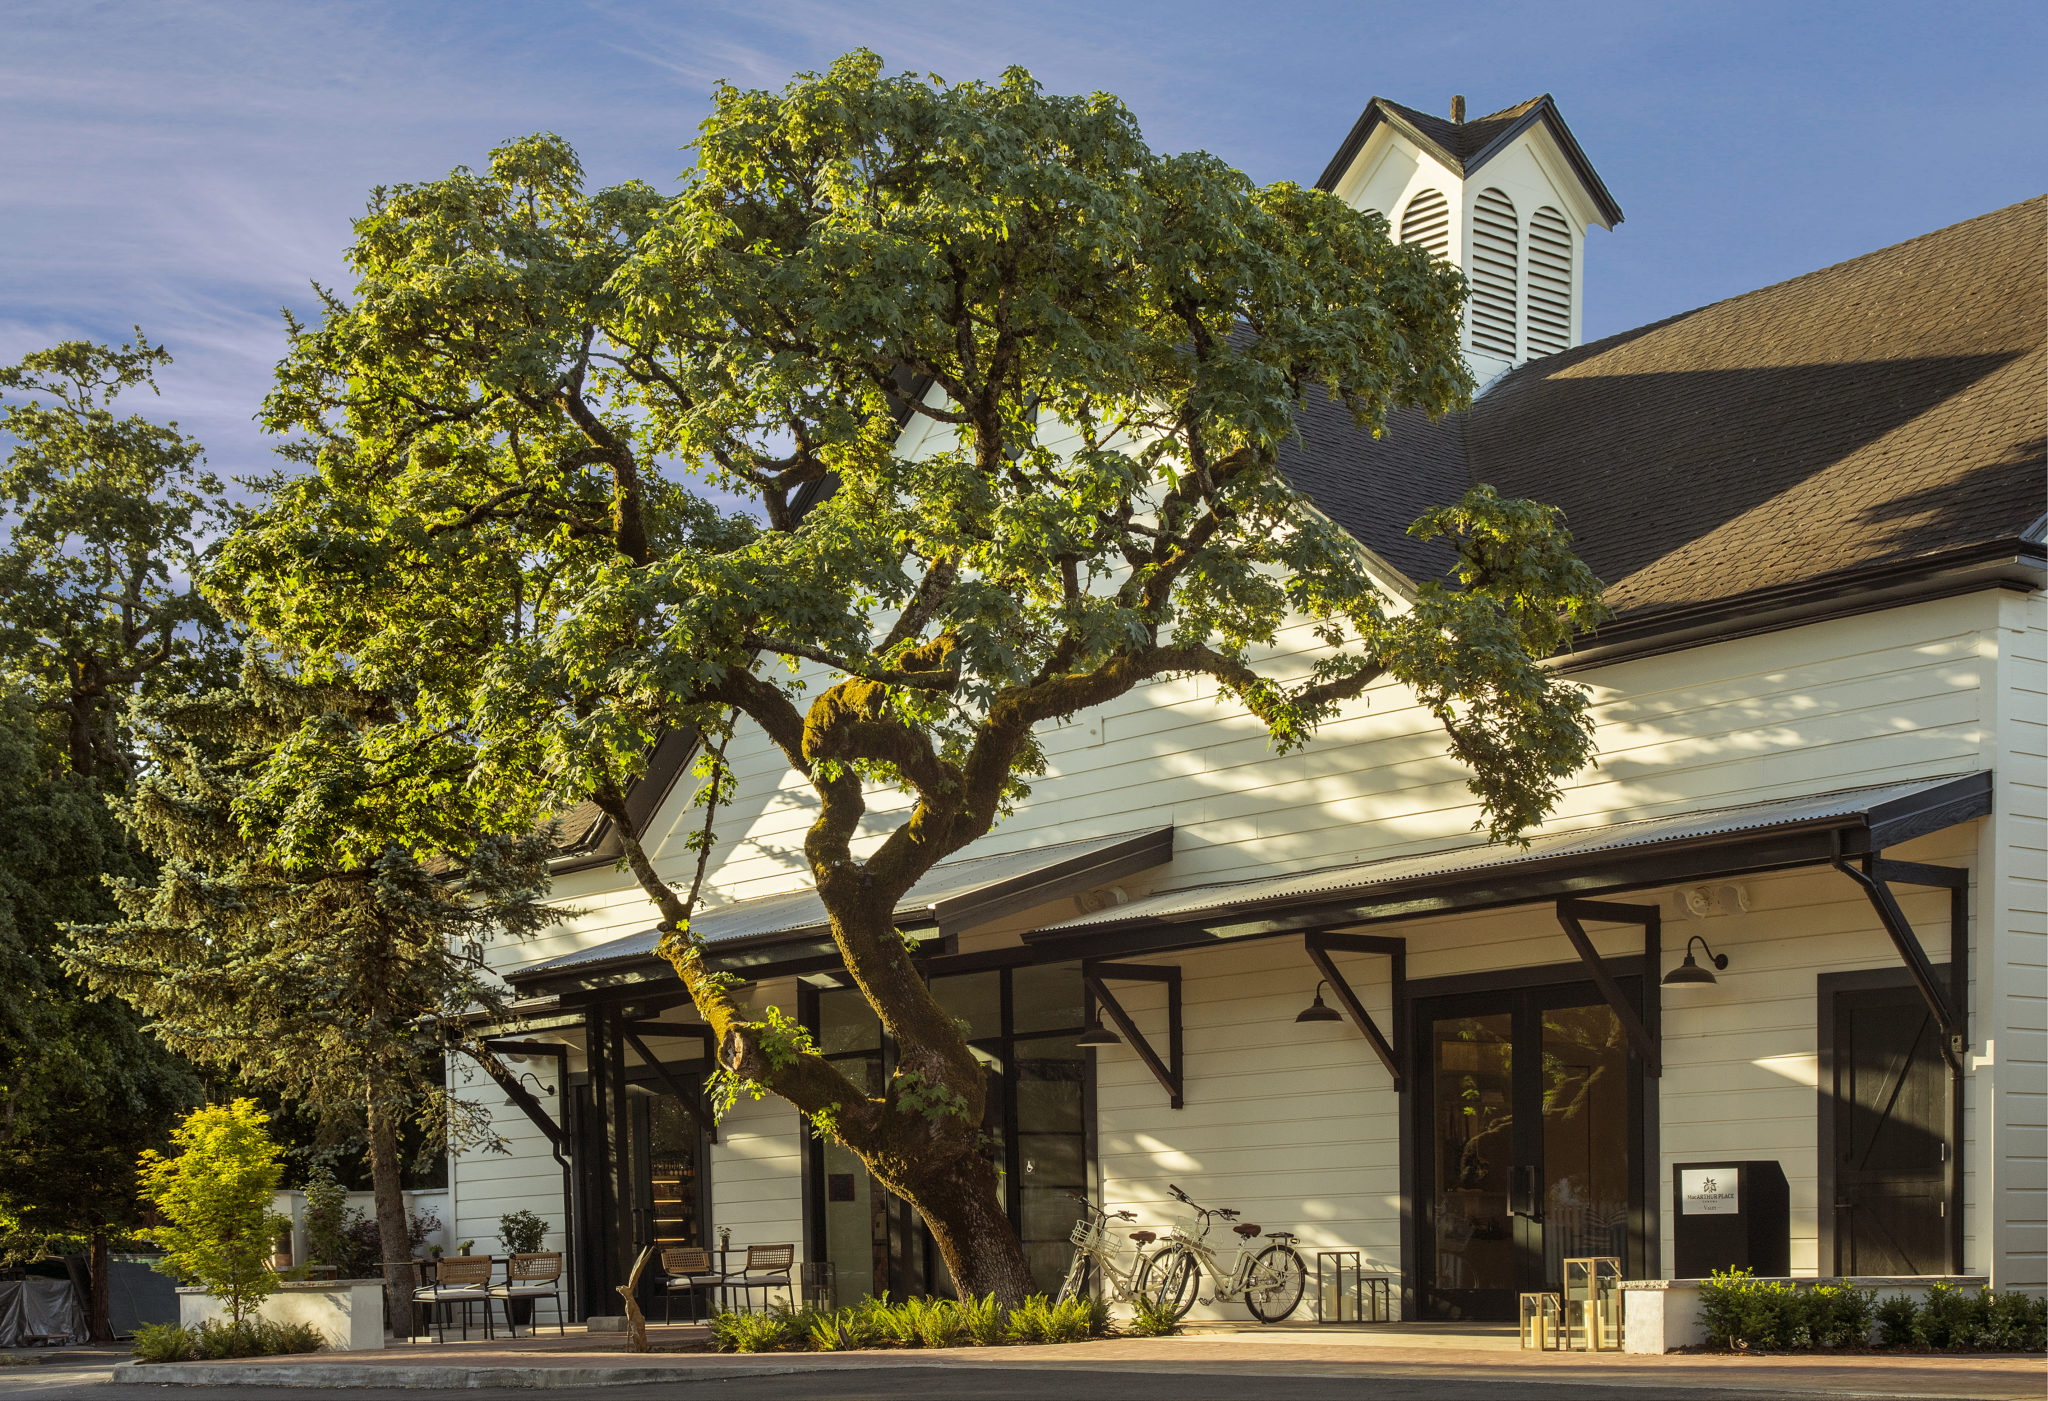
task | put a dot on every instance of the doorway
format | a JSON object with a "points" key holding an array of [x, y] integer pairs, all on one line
{"points": [[1885, 1134], [1529, 1127]]}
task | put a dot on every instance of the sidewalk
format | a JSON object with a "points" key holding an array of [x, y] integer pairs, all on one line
{"points": [[552, 1363]]}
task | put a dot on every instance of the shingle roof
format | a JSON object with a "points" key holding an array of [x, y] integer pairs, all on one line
{"points": [[1878, 410], [1466, 146]]}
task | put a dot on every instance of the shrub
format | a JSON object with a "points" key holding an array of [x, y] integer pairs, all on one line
{"points": [[781, 1327], [1836, 1316], [1030, 1321], [1742, 1312], [985, 1318], [215, 1201], [1895, 1321], [844, 1330], [936, 1322], [1946, 1318], [521, 1232], [2017, 1323], [1149, 1320], [214, 1341], [164, 1342]]}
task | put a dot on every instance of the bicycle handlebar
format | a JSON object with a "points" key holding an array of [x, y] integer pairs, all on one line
{"points": [[1226, 1212]]}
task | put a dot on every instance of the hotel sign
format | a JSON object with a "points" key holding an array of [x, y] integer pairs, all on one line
{"points": [[1709, 1192]]}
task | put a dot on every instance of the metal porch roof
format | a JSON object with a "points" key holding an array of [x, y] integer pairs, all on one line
{"points": [[1768, 835], [954, 894]]}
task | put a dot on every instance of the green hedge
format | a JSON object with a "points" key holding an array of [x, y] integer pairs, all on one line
{"points": [[1747, 1313]]}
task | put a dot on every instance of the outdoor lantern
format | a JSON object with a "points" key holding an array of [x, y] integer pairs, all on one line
{"points": [[1689, 972], [524, 1076], [1098, 1035], [1320, 1011]]}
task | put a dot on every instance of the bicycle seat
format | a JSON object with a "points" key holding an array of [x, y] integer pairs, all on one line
{"points": [[1247, 1230], [1144, 1237]]}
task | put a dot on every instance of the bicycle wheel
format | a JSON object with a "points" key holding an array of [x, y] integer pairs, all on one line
{"points": [[1278, 1278], [1080, 1281], [1173, 1281]]}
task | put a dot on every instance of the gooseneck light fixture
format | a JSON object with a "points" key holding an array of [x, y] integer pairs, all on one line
{"points": [[1098, 1035], [1690, 973], [1319, 1010]]}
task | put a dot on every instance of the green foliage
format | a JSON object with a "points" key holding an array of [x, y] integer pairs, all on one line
{"points": [[848, 1329], [1746, 1313], [986, 1318], [1150, 1320], [1039, 1320], [772, 1331], [213, 1341], [521, 1232], [1895, 1317], [102, 520], [1836, 1316], [215, 1200], [521, 429]]}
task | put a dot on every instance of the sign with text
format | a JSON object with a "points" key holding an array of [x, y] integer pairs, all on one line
{"points": [[1708, 1192]]}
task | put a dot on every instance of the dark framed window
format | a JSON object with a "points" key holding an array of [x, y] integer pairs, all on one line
{"points": [[1023, 1025]]}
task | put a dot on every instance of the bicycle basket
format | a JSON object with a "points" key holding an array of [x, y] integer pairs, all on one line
{"points": [[1086, 1234]]}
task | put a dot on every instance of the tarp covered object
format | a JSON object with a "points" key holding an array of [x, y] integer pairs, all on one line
{"points": [[32, 1309]]}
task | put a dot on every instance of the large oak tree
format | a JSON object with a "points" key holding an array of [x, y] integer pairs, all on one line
{"points": [[523, 435]]}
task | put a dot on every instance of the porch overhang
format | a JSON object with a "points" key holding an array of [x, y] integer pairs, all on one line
{"points": [[790, 932], [1779, 834]]}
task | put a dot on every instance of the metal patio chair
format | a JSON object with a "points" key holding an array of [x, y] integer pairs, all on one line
{"points": [[529, 1279], [458, 1279], [767, 1268], [687, 1270]]}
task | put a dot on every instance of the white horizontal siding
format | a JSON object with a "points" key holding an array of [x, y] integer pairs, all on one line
{"points": [[1297, 1126], [2013, 1037], [487, 1185]]}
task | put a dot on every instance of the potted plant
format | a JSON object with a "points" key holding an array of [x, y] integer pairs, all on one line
{"points": [[521, 1233]]}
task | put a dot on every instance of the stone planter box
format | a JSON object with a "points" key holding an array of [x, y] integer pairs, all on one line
{"points": [[1663, 1315], [349, 1313]]}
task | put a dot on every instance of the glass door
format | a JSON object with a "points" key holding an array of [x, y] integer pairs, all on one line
{"points": [[1528, 1157]]}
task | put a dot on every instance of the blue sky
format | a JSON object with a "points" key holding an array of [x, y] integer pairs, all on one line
{"points": [[193, 166]]}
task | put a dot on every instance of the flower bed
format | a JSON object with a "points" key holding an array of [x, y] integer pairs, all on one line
{"points": [[924, 1323], [1742, 1313]]}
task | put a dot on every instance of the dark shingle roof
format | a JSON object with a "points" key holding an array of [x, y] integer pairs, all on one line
{"points": [[1882, 409], [1466, 146]]}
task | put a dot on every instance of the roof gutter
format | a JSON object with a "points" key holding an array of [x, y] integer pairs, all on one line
{"points": [[2018, 565]]}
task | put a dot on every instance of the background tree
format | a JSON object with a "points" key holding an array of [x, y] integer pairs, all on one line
{"points": [[328, 981], [104, 519], [519, 432]]}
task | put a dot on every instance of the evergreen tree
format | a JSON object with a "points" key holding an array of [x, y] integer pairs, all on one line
{"points": [[282, 940]]}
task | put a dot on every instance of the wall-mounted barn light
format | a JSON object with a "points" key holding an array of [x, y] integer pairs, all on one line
{"points": [[1689, 972], [1319, 1010]]}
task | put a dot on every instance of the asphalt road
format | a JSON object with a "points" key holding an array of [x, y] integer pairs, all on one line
{"points": [[954, 1383]]}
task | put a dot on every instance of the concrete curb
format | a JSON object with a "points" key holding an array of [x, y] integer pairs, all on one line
{"points": [[446, 1377]]}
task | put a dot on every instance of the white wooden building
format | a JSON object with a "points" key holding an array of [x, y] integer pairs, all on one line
{"points": [[1820, 751]]}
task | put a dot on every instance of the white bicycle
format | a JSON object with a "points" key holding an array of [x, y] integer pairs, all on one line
{"points": [[1270, 1282], [1096, 1257]]}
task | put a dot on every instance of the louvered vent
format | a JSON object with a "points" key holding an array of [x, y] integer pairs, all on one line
{"points": [[1496, 245], [1427, 221], [1550, 282]]}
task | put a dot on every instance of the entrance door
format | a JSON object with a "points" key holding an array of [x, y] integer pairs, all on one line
{"points": [[1529, 1152], [1890, 1144]]}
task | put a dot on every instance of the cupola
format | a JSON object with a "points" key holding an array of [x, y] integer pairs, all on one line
{"points": [[1507, 197]]}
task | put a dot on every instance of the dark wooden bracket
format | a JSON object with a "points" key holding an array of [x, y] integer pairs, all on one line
{"points": [[1950, 1005], [693, 1103], [1321, 946], [688, 1031], [1097, 974], [518, 1093], [1570, 914]]}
